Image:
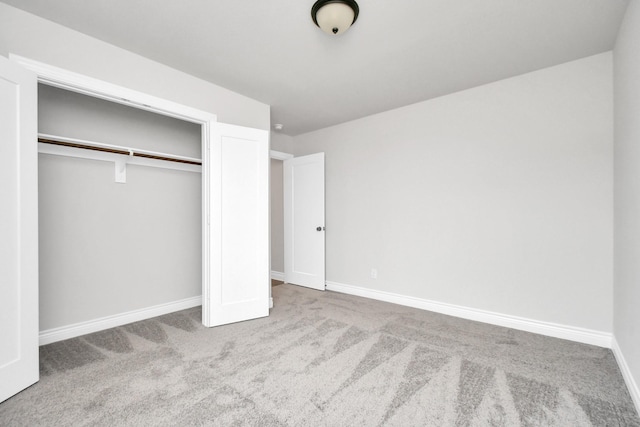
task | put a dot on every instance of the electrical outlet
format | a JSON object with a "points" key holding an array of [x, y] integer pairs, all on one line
{"points": [[374, 273]]}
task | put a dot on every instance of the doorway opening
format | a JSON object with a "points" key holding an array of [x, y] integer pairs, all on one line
{"points": [[298, 218]]}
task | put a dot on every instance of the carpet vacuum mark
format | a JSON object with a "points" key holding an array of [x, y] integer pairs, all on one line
{"points": [[322, 359]]}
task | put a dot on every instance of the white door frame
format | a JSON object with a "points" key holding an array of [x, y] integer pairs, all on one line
{"points": [[279, 155], [74, 82], [275, 155]]}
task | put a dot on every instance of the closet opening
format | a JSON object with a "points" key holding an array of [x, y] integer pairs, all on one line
{"points": [[234, 199], [120, 213]]}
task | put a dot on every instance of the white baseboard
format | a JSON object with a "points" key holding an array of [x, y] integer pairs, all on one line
{"points": [[277, 275], [71, 331], [634, 391], [586, 336]]}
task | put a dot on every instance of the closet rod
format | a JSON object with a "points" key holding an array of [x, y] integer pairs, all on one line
{"points": [[117, 150]]}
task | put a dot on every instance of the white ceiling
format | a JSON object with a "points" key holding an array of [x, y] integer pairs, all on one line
{"points": [[397, 53]]}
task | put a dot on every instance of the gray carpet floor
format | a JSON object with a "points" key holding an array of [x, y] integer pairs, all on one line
{"points": [[322, 359]]}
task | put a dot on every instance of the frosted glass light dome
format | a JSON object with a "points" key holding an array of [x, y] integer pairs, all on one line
{"points": [[334, 16]]}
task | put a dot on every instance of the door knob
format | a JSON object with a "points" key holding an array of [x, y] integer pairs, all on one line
{"points": [[319, 228]]}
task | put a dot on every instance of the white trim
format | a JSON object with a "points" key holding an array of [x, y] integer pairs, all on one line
{"points": [[270, 302], [79, 83], [586, 336], [277, 275], [71, 331], [279, 155], [634, 390]]}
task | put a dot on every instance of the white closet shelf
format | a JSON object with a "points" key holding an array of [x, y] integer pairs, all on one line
{"points": [[120, 155]]}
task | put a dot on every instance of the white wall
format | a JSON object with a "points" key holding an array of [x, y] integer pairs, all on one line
{"points": [[108, 248], [30, 36], [281, 142], [627, 191], [66, 113], [496, 198], [277, 216]]}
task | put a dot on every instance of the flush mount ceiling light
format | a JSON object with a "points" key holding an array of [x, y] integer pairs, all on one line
{"points": [[334, 16]]}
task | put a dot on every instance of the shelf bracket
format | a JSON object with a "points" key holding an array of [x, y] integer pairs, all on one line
{"points": [[121, 171]]}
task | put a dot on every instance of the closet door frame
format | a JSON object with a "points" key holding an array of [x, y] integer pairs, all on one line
{"points": [[67, 80]]}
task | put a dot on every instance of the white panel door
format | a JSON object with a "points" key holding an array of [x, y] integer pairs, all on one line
{"points": [[304, 256], [238, 253], [18, 229]]}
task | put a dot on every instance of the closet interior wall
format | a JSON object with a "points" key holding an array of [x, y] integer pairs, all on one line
{"points": [[109, 248]]}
